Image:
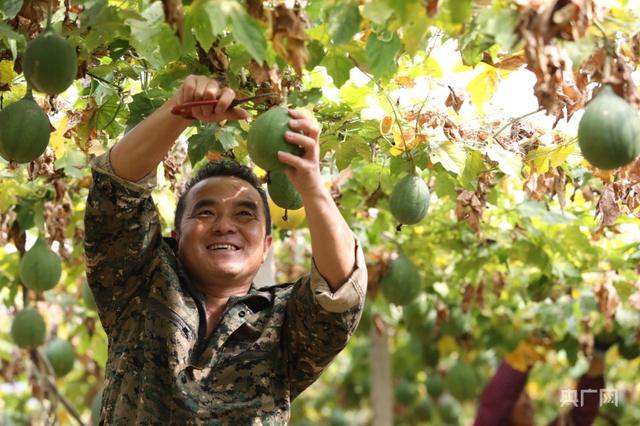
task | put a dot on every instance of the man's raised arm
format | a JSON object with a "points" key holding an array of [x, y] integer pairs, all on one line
{"points": [[140, 151], [332, 242]]}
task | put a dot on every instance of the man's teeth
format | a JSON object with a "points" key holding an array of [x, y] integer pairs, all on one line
{"points": [[222, 247]]}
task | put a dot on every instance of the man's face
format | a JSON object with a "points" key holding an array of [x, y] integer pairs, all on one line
{"points": [[222, 236]]}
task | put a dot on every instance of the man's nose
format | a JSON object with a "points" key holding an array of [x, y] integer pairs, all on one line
{"points": [[224, 224]]}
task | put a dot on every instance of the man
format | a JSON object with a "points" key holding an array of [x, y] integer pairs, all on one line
{"points": [[191, 339]]}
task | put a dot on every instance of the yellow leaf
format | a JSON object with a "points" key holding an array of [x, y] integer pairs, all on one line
{"points": [[405, 141], [561, 154], [6, 71], [447, 345], [386, 124], [484, 85], [56, 141], [539, 158]]}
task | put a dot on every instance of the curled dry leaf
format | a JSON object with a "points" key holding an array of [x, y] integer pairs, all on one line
{"points": [[433, 7], [634, 299], [442, 313], [174, 16], [607, 208], [265, 74], [255, 8], [455, 99], [288, 36], [467, 297], [43, 165], [607, 297], [539, 28], [36, 10]]}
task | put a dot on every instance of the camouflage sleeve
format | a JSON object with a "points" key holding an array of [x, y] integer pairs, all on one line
{"points": [[122, 232], [320, 322]]}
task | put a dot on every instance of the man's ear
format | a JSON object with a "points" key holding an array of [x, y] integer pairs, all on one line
{"points": [[267, 245], [175, 235]]}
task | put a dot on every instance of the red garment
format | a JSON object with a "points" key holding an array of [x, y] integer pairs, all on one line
{"points": [[501, 394]]}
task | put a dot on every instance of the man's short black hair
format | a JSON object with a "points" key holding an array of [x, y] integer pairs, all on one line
{"points": [[224, 167]]}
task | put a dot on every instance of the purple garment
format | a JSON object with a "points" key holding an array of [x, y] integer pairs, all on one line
{"points": [[501, 394], [587, 410]]}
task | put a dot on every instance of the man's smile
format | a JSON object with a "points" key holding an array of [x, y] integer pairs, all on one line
{"points": [[223, 246]]}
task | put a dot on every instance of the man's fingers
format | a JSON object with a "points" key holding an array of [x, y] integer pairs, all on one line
{"points": [[226, 97], [291, 160], [235, 114], [307, 126], [307, 143]]}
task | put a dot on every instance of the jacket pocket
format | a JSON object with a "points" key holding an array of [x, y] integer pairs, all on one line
{"points": [[166, 312]]}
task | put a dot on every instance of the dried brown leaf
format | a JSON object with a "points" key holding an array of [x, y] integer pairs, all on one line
{"points": [[288, 36], [607, 208], [174, 16], [455, 99]]}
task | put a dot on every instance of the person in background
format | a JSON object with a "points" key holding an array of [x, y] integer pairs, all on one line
{"points": [[505, 401]]}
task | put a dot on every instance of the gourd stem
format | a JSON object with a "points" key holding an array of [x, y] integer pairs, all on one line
{"points": [[49, 13], [606, 69]]}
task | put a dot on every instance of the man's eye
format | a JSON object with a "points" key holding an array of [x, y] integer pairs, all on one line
{"points": [[245, 213], [205, 213]]}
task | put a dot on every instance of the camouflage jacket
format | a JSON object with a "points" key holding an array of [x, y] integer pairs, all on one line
{"points": [[268, 347]]}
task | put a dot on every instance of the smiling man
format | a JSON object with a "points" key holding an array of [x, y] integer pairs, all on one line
{"points": [[192, 340]]}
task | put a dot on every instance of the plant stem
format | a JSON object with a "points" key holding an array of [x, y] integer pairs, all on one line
{"points": [[393, 109], [39, 360], [49, 13], [514, 120]]}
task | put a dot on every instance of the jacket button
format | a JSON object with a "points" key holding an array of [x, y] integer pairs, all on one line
{"points": [[241, 314]]}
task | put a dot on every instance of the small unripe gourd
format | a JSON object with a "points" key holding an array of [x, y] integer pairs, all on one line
{"points": [[61, 356], [28, 329], [402, 283], [609, 131], [50, 63], [409, 200], [282, 191], [40, 267], [24, 130]]}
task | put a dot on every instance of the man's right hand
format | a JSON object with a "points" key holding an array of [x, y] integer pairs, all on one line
{"points": [[200, 87]]}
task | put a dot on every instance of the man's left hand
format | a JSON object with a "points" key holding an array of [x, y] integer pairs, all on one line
{"points": [[304, 172]]}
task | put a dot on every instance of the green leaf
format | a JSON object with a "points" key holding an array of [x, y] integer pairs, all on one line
{"points": [[538, 210], [338, 67], [143, 104], [108, 112], [354, 146], [509, 163], [415, 34], [452, 156], [226, 135], [10, 8], [472, 168], [201, 27], [153, 39], [202, 142], [73, 163], [499, 23], [249, 34], [473, 44], [343, 20], [445, 184], [405, 9], [316, 53], [377, 11], [382, 50]]}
